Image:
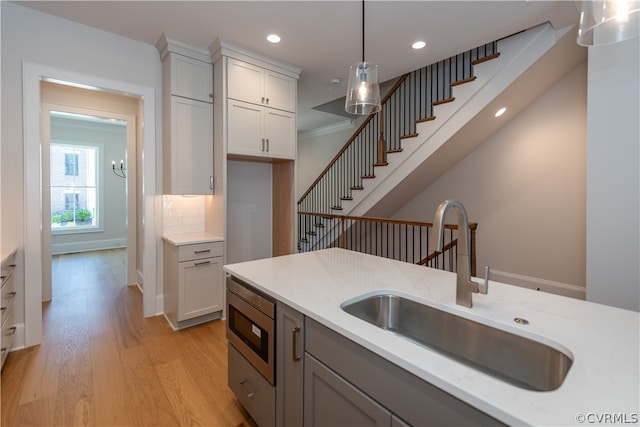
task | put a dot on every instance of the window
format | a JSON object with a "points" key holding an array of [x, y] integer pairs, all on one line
{"points": [[74, 187], [71, 201], [71, 164]]}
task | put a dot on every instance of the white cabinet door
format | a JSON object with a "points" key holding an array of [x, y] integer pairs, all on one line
{"points": [[199, 287], [191, 78], [280, 133], [191, 147], [257, 85], [245, 82], [245, 133], [280, 91]]}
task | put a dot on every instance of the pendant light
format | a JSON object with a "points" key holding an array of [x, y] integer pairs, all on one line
{"points": [[363, 90], [606, 22]]}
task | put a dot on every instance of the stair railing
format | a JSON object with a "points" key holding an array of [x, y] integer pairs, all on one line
{"points": [[407, 241], [408, 102]]}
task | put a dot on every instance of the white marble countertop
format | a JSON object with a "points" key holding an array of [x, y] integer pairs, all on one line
{"points": [[6, 253], [604, 380], [191, 238]]}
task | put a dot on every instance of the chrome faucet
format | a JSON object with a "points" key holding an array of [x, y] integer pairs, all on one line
{"points": [[464, 285]]}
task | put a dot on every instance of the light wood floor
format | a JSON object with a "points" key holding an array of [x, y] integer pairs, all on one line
{"points": [[102, 364]]}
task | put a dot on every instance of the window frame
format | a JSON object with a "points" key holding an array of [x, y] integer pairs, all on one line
{"points": [[99, 188]]}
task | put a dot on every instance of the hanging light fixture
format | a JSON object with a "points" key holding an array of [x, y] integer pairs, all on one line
{"points": [[363, 90], [606, 22]]}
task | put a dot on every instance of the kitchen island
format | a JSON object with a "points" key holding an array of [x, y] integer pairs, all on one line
{"points": [[602, 385]]}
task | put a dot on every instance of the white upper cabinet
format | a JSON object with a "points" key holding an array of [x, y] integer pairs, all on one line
{"points": [[187, 83], [257, 85], [254, 130], [191, 78], [190, 163]]}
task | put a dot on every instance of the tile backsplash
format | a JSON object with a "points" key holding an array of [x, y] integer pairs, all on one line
{"points": [[182, 214]]}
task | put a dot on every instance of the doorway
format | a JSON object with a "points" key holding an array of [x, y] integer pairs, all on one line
{"points": [[147, 202], [90, 206]]}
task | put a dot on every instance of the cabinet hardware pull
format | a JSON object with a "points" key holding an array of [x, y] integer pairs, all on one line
{"points": [[202, 251], [13, 265], [263, 99], [250, 394], [262, 145], [267, 145], [294, 348], [202, 263], [210, 182], [267, 101]]}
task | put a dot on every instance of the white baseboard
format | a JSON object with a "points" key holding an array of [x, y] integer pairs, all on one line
{"points": [[93, 245], [535, 283]]}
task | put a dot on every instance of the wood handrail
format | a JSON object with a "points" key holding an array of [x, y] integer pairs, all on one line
{"points": [[353, 137], [472, 225], [434, 254]]}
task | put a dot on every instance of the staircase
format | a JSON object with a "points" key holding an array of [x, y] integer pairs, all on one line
{"points": [[420, 114]]}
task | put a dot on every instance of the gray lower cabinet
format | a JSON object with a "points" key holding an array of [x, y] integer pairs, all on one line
{"points": [[289, 366], [253, 391], [407, 399], [330, 401]]}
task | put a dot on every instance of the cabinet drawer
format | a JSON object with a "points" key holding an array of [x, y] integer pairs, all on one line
{"points": [[8, 266], [8, 297], [253, 391], [199, 251], [8, 332]]}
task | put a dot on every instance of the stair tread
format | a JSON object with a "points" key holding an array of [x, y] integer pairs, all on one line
{"points": [[409, 135], [394, 150], [485, 59], [426, 119], [443, 101], [463, 81], [381, 164], [336, 208], [311, 233], [319, 225], [345, 198], [368, 176], [357, 188]]}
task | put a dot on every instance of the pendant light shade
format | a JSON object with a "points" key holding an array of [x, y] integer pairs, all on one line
{"points": [[606, 22], [363, 89]]}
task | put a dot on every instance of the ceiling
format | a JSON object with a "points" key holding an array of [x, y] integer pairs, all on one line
{"points": [[322, 37]]}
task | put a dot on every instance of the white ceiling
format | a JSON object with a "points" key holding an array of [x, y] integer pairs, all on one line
{"points": [[322, 37]]}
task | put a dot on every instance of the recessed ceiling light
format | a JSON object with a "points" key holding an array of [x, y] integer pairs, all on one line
{"points": [[500, 111], [273, 38], [418, 45]]}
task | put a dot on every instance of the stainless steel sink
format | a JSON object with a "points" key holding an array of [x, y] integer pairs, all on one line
{"points": [[517, 360]]}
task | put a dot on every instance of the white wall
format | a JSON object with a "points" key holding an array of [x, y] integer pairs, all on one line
{"points": [[525, 187], [613, 175], [315, 151], [31, 36]]}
